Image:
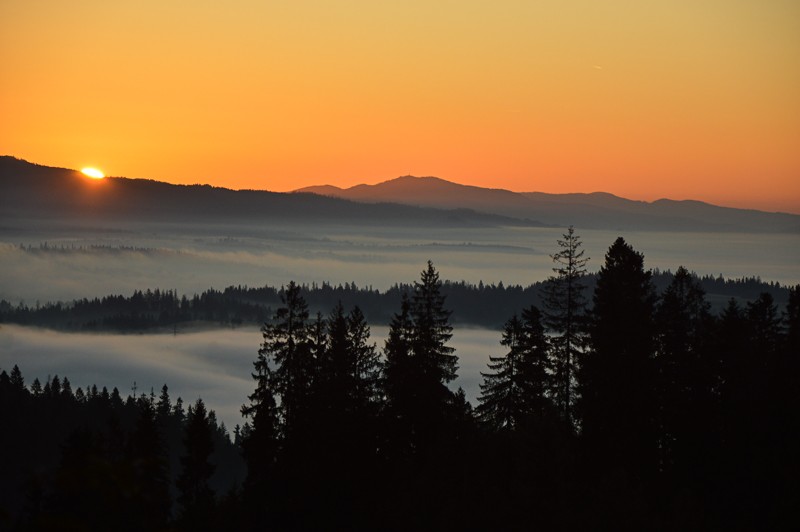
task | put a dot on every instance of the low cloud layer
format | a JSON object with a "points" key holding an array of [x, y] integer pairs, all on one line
{"points": [[153, 257], [215, 365]]}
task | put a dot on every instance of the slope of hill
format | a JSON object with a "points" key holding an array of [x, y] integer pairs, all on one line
{"points": [[39, 192], [594, 210]]}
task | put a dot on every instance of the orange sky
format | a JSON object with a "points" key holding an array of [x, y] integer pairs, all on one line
{"points": [[646, 99]]}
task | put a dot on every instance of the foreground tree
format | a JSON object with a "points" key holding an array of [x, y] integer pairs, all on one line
{"points": [[196, 497], [287, 348], [419, 364], [618, 378], [279, 404], [564, 312], [346, 395], [515, 389], [686, 376], [432, 330], [146, 453]]}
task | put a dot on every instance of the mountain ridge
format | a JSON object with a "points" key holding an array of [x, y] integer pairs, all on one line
{"points": [[595, 209], [30, 189], [43, 192]]}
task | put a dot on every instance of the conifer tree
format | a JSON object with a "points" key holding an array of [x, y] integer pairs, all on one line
{"points": [[66, 389], [432, 329], [36, 387], [419, 365], [146, 452], [196, 497], [367, 365], [397, 379], [348, 373], [515, 389], [260, 435], [287, 347], [564, 314], [163, 406], [397, 354], [686, 372], [618, 378], [17, 381]]}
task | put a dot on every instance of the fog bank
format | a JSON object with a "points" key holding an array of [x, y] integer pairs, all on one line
{"points": [[215, 365]]}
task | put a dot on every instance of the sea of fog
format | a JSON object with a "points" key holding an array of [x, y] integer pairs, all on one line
{"points": [[41, 263], [215, 365]]}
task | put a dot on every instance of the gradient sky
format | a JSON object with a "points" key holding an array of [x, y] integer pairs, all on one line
{"points": [[645, 99]]}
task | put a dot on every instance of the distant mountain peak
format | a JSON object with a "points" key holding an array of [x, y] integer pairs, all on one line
{"points": [[584, 210]]}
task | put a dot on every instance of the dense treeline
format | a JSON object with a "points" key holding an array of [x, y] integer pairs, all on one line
{"points": [[619, 406], [89, 459], [484, 305]]}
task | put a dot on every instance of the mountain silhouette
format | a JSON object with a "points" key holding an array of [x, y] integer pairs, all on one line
{"points": [[590, 210], [31, 191], [34, 191]]}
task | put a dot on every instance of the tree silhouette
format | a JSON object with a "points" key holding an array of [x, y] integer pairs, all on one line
{"points": [[287, 346], [398, 375], [432, 329], [564, 304], [515, 389], [432, 362], [195, 497], [618, 377], [687, 377], [16, 380], [146, 453]]}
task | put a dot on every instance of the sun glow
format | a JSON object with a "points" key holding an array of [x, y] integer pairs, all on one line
{"points": [[94, 173]]}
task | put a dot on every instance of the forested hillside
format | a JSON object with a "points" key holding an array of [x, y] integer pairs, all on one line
{"points": [[483, 305]]}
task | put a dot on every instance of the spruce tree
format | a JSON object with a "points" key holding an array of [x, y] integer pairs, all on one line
{"points": [[16, 379], [146, 453], [397, 381], [618, 378], [686, 374], [792, 323], [196, 498], [419, 364], [366, 361], [432, 329], [564, 312], [36, 387], [287, 348], [515, 389], [164, 406], [397, 355]]}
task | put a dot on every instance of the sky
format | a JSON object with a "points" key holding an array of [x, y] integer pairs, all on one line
{"points": [[682, 99]]}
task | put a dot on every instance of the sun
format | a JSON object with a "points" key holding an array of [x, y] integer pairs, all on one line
{"points": [[94, 173]]}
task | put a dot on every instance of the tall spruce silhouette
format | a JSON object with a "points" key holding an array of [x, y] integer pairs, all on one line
{"points": [[287, 347], [432, 329], [147, 454], [433, 363], [398, 374], [515, 389], [686, 377], [618, 377], [564, 313], [419, 364], [196, 499]]}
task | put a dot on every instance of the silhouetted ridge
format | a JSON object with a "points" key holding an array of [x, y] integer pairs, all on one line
{"points": [[32, 191], [587, 210]]}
